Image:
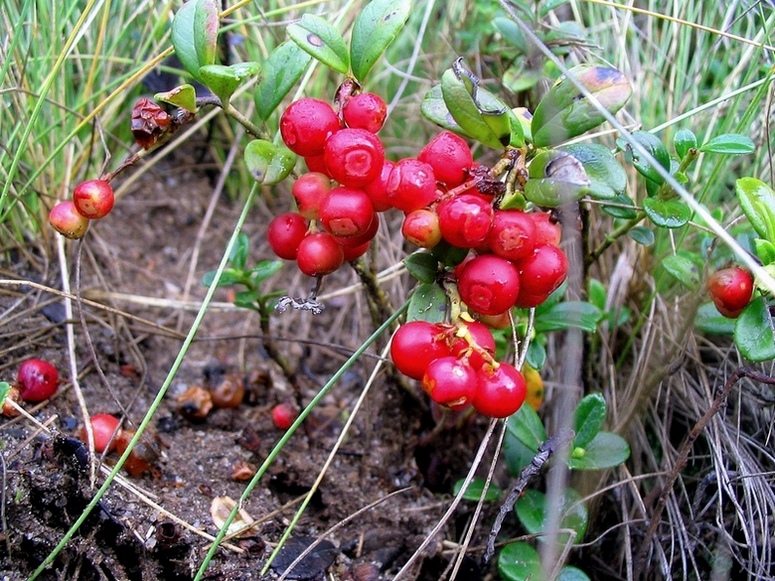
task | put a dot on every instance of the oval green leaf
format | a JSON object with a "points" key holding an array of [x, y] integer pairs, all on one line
{"points": [[588, 419], [606, 450], [532, 512], [569, 315], [621, 206], [667, 213], [475, 490], [729, 144], [223, 80], [654, 146], [427, 303], [683, 141], [183, 96], [317, 37], [279, 73], [757, 201], [765, 250], [564, 112], [434, 109], [556, 178], [526, 426], [264, 269], [607, 177], [268, 163], [754, 334], [570, 573], [5, 387], [642, 235], [682, 269], [422, 266], [511, 33], [194, 34], [519, 562], [709, 320], [375, 28], [536, 355]]}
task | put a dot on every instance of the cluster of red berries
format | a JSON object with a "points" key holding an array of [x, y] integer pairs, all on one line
{"points": [[92, 200], [731, 289], [457, 367], [342, 147]]}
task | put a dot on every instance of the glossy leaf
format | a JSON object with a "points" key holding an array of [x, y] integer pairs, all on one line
{"points": [[564, 112], [223, 80], [475, 489], [597, 293], [757, 200], [536, 355], [709, 320], [264, 269], [606, 450], [654, 146], [667, 213], [682, 269], [470, 114], [754, 334], [511, 33], [683, 141], [527, 427], [376, 26], [516, 454], [588, 419], [195, 34], [569, 315], [556, 178], [571, 573], [519, 562], [5, 387], [315, 36], [183, 96], [532, 512], [434, 109], [422, 266], [279, 73], [229, 277], [765, 250], [607, 177], [642, 235], [624, 207], [427, 303], [268, 163], [729, 144]]}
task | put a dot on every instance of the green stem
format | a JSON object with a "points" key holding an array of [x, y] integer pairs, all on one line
{"points": [[287, 436], [162, 391], [613, 237]]}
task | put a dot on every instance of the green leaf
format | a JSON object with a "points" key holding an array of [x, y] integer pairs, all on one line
{"points": [[754, 334], [484, 119], [556, 178], [606, 450], [683, 141], [375, 28], [428, 303], [422, 266], [280, 72], [475, 489], [5, 387], [624, 208], [570, 573], [536, 355], [247, 299], [511, 33], [239, 254], [183, 96], [195, 33], [229, 277], [449, 255], [709, 320], [264, 269], [268, 163], [223, 80], [765, 250], [317, 37], [588, 419], [434, 109], [654, 146], [729, 144], [549, 5], [642, 235], [532, 512], [667, 213], [757, 201], [607, 177], [597, 293], [526, 426], [519, 562], [682, 269], [569, 315], [564, 112]]}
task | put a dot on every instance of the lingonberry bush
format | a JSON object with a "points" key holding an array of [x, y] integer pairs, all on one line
{"points": [[486, 203]]}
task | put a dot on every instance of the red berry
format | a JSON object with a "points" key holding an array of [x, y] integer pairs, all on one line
{"points": [[465, 220], [450, 381], [421, 227], [93, 199], [500, 391], [361, 239], [316, 163], [283, 415], [306, 124], [308, 191], [105, 428], [377, 190], [37, 380], [450, 157], [476, 341], [731, 290], [353, 252], [319, 254], [489, 284], [547, 232], [346, 212], [411, 185], [285, 233], [365, 111], [416, 345], [354, 157], [540, 274], [512, 235], [67, 220]]}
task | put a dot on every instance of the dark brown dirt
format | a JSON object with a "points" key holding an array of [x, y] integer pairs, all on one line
{"points": [[144, 250]]}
